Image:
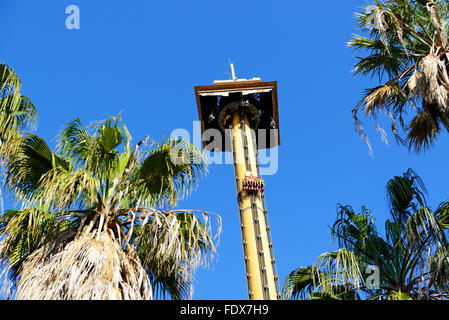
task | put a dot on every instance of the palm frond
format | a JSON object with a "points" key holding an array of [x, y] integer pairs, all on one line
{"points": [[301, 283], [172, 245], [402, 191], [74, 142], [170, 172], [406, 42], [10, 86], [25, 170]]}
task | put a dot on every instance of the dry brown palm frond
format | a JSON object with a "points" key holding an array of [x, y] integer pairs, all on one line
{"points": [[83, 268], [167, 240], [435, 80], [431, 7], [379, 23], [380, 98], [388, 97], [416, 84], [403, 41], [173, 244]]}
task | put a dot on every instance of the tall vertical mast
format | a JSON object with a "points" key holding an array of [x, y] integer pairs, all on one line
{"points": [[241, 107], [260, 268]]}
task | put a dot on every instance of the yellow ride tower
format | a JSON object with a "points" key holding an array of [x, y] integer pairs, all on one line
{"points": [[246, 113]]}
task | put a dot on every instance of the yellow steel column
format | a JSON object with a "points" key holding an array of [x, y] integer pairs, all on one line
{"points": [[259, 260]]}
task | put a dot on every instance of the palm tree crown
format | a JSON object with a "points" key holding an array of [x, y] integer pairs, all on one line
{"points": [[412, 260], [407, 49], [99, 218]]}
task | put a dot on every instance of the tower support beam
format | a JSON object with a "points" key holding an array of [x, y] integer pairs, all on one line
{"points": [[258, 254]]}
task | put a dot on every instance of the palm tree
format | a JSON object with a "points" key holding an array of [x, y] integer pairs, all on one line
{"points": [[99, 218], [410, 262], [407, 49]]}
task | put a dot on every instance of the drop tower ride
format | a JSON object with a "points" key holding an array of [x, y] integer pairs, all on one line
{"points": [[246, 113]]}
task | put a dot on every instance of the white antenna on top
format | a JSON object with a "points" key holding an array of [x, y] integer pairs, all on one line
{"points": [[232, 70]]}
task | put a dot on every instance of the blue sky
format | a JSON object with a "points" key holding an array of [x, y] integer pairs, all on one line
{"points": [[144, 57]]}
